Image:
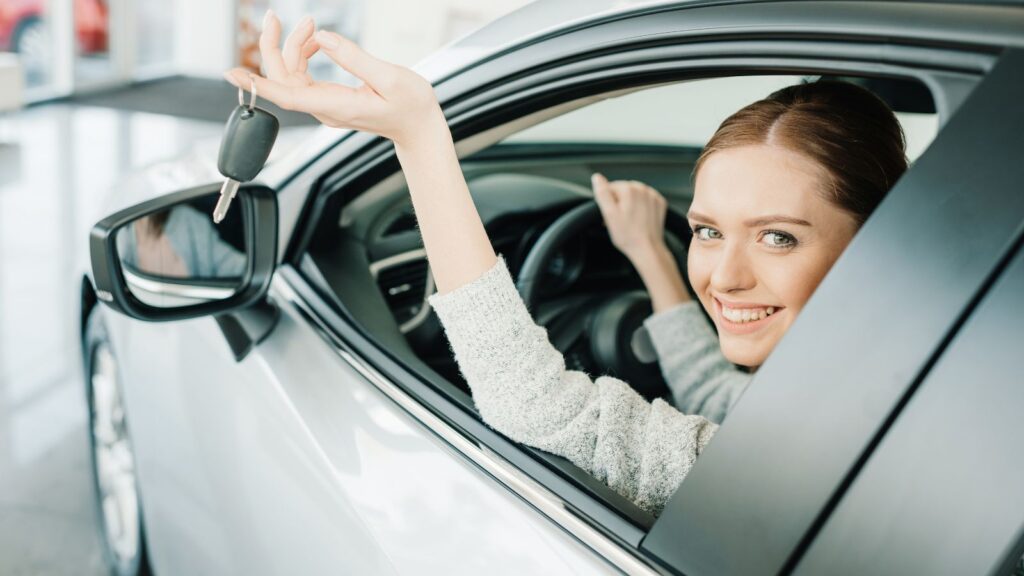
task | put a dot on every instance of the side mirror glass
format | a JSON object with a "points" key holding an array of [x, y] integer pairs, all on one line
{"points": [[166, 259]]}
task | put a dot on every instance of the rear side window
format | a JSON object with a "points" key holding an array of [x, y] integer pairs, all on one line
{"points": [[688, 113]]}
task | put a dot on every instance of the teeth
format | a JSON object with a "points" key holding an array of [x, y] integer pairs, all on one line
{"points": [[742, 315]]}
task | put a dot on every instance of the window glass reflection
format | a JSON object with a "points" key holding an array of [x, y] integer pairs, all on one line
{"points": [[184, 243]]}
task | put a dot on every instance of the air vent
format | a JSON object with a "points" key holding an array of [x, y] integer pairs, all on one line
{"points": [[404, 288], [403, 222]]}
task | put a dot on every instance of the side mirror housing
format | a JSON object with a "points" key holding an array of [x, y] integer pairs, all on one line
{"points": [[165, 259]]}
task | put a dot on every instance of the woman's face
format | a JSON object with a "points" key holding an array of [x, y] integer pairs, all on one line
{"points": [[764, 237]]}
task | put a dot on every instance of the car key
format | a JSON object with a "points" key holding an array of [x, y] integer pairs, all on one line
{"points": [[248, 139]]}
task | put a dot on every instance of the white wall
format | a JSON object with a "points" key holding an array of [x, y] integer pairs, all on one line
{"points": [[204, 37]]}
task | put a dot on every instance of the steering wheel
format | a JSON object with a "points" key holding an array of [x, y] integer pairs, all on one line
{"points": [[602, 332]]}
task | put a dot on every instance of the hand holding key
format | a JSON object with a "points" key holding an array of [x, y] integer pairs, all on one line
{"points": [[248, 139], [393, 101]]}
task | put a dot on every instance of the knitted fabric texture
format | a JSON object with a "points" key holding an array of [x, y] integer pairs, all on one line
{"points": [[521, 387], [702, 381]]}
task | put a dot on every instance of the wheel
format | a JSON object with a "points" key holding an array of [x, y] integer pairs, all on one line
{"points": [[113, 462]]}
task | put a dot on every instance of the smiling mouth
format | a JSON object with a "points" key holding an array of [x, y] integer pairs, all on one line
{"points": [[744, 320]]}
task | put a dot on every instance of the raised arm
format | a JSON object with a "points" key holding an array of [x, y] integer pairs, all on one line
{"points": [[519, 380]]}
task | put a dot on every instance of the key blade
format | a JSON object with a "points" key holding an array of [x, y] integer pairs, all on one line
{"points": [[227, 194]]}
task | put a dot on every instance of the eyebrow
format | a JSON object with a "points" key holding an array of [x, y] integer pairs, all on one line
{"points": [[760, 221]]}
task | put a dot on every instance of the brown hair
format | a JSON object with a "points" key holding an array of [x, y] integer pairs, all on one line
{"points": [[846, 129]]}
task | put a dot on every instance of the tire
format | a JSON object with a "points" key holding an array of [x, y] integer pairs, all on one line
{"points": [[118, 506]]}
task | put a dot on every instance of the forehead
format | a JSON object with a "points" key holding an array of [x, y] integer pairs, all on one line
{"points": [[754, 180]]}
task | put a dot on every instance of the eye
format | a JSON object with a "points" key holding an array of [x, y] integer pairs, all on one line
{"points": [[779, 239], [705, 233]]}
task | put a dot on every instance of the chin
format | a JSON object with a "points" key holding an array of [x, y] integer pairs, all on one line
{"points": [[749, 356]]}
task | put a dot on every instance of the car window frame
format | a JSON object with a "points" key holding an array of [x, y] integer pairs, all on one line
{"points": [[467, 114]]}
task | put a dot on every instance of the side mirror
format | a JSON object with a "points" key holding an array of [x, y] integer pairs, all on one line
{"points": [[165, 259]]}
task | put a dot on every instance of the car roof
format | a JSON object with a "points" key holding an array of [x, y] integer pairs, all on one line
{"points": [[543, 18]]}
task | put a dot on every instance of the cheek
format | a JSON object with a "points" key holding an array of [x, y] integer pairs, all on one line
{"points": [[698, 269], [793, 280]]}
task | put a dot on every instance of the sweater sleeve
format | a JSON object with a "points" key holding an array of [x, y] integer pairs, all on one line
{"points": [[522, 389], [701, 380]]}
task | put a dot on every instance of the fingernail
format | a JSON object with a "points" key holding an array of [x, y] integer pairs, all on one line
{"points": [[327, 39], [306, 21], [266, 17]]}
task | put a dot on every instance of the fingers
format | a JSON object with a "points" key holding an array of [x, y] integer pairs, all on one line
{"points": [[270, 51], [320, 100], [284, 96], [308, 50], [377, 74], [296, 42]]}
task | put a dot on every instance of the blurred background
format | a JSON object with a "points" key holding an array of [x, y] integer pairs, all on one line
{"points": [[90, 91], [70, 47]]}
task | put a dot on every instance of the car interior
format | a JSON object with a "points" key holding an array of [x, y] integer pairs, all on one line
{"points": [[530, 180]]}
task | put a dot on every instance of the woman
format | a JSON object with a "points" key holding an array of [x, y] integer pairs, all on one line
{"points": [[780, 190]]}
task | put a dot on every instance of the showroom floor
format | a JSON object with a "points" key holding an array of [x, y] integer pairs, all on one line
{"points": [[56, 164]]}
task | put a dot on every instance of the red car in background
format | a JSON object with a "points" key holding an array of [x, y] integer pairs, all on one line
{"points": [[22, 26]]}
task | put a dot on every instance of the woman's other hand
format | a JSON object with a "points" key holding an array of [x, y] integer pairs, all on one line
{"points": [[392, 101], [635, 216]]}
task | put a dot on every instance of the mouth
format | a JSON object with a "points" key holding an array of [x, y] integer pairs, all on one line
{"points": [[744, 320]]}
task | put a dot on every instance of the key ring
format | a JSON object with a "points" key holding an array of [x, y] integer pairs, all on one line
{"points": [[241, 95]]}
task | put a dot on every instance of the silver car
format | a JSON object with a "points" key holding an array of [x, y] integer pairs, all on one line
{"points": [[273, 395]]}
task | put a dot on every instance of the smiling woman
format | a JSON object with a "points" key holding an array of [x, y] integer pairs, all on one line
{"points": [[781, 189]]}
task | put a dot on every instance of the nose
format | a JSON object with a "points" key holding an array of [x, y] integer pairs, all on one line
{"points": [[732, 271]]}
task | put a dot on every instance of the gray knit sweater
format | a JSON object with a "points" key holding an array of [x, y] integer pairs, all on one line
{"points": [[521, 387]]}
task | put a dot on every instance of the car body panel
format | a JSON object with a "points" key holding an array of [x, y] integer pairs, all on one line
{"points": [[290, 462]]}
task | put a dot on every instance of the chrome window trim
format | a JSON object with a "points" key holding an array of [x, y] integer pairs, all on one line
{"points": [[531, 491], [397, 259]]}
